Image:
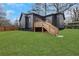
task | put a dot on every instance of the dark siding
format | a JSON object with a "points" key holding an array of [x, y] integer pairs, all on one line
{"points": [[30, 21], [38, 17], [26, 22], [22, 21], [54, 20], [49, 19], [60, 19]]}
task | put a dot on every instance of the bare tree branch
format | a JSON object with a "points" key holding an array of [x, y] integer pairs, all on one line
{"points": [[61, 7]]}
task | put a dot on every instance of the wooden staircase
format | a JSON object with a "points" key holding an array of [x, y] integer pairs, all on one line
{"points": [[49, 27]]}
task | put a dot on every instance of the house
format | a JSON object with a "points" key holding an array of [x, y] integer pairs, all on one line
{"points": [[26, 21], [74, 24], [56, 20], [35, 22]]}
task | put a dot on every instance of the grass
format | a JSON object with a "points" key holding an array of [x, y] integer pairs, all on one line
{"points": [[23, 43]]}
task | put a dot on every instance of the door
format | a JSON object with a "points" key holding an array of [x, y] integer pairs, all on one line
{"points": [[26, 22]]}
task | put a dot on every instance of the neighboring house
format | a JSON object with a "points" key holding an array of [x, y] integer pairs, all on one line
{"points": [[27, 21], [73, 24]]}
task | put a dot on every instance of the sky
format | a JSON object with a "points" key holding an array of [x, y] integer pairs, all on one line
{"points": [[14, 10]]}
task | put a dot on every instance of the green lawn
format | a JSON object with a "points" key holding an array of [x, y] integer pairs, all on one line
{"points": [[38, 43]]}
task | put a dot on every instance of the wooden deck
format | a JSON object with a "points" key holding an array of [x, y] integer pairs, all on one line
{"points": [[49, 27], [38, 24]]}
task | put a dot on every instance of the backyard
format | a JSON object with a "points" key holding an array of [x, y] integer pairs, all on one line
{"points": [[20, 43]]}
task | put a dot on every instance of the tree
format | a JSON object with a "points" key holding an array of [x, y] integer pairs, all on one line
{"points": [[36, 8], [2, 12], [3, 20], [45, 8], [61, 7], [40, 8], [16, 23], [75, 13]]}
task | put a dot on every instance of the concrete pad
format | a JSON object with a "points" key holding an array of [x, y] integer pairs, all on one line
{"points": [[60, 36]]}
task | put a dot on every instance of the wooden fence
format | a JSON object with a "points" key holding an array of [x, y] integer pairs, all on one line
{"points": [[7, 28]]}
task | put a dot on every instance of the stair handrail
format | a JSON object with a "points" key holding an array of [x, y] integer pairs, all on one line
{"points": [[49, 24]]}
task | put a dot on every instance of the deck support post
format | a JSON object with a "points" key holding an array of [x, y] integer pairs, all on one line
{"points": [[34, 29], [42, 28]]}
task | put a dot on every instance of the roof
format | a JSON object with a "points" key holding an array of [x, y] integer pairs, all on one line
{"points": [[40, 15], [31, 14], [53, 14]]}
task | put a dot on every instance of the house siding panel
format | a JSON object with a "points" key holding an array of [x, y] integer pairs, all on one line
{"points": [[60, 20], [30, 21], [22, 22], [49, 19], [37, 18]]}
